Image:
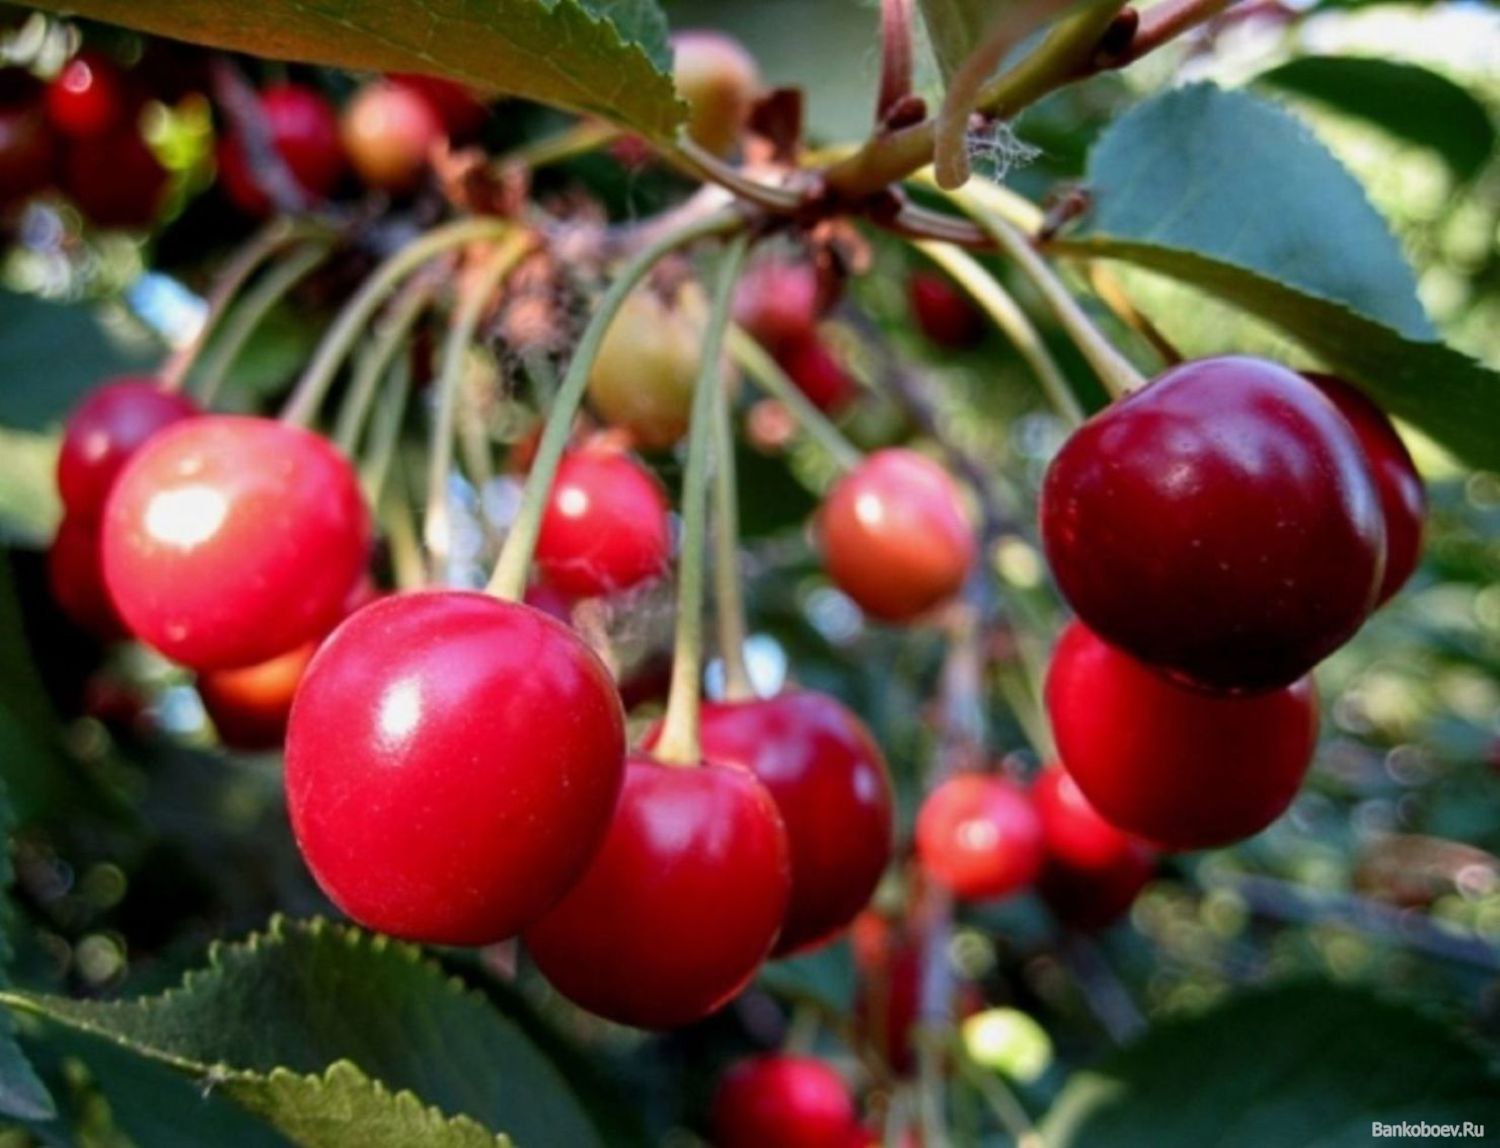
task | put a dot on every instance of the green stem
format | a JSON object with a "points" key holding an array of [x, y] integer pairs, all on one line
{"points": [[1114, 370], [509, 579], [729, 598], [231, 280], [385, 431], [401, 533], [579, 139], [679, 743], [391, 333], [474, 296], [1012, 321], [1002, 1102], [256, 304], [358, 312], [769, 376]]}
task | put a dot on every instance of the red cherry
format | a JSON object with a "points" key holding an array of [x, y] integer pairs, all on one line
{"points": [[461, 111], [943, 312], [782, 1100], [1092, 871], [829, 781], [777, 302], [1181, 768], [77, 580], [606, 525], [87, 97], [229, 540], [305, 133], [1221, 523], [679, 907], [452, 763], [979, 837], [115, 179], [26, 147], [812, 365], [388, 132], [104, 431], [1403, 499], [895, 535]]}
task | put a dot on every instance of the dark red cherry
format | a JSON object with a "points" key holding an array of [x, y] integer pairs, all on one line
{"points": [[944, 313], [115, 179], [1179, 767], [829, 781], [88, 96], [229, 540], [461, 111], [27, 152], [76, 576], [783, 1100], [606, 526], [1221, 523], [777, 302], [1403, 499], [452, 764], [305, 132], [102, 433], [895, 535], [1092, 871], [811, 364], [979, 837], [680, 906]]}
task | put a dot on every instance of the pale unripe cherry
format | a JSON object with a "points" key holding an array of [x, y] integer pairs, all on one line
{"points": [[718, 78]]}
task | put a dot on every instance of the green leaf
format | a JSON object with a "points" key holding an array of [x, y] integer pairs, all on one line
{"points": [[955, 28], [339, 1038], [1407, 100], [1234, 196], [1311, 1065], [606, 57]]}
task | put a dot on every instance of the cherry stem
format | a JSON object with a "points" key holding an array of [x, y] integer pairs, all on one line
{"points": [[1007, 1108], [401, 534], [1114, 296], [391, 333], [768, 375], [231, 280], [509, 579], [385, 431], [254, 306], [679, 742], [475, 294], [729, 598], [895, 55], [998, 304], [357, 313], [1114, 370], [579, 139]]}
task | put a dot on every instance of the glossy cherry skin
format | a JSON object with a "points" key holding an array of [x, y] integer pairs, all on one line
{"points": [[305, 132], [115, 179], [1181, 768], [76, 577], [811, 364], [27, 152], [229, 540], [388, 131], [1403, 498], [102, 433], [88, 96], [452, 765], [776, 302], [979, 837], [895, 535], [782, 1100], [681, 904], [943, 312], [829, 781], [1221, 523], [718, 79], [1092, 871], [606, 527]]}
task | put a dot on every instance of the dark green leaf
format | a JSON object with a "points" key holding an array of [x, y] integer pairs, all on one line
{"points": [[607, 58], [1406, 100], [1311, 1065], [336, 1037], [1231, 194]]}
